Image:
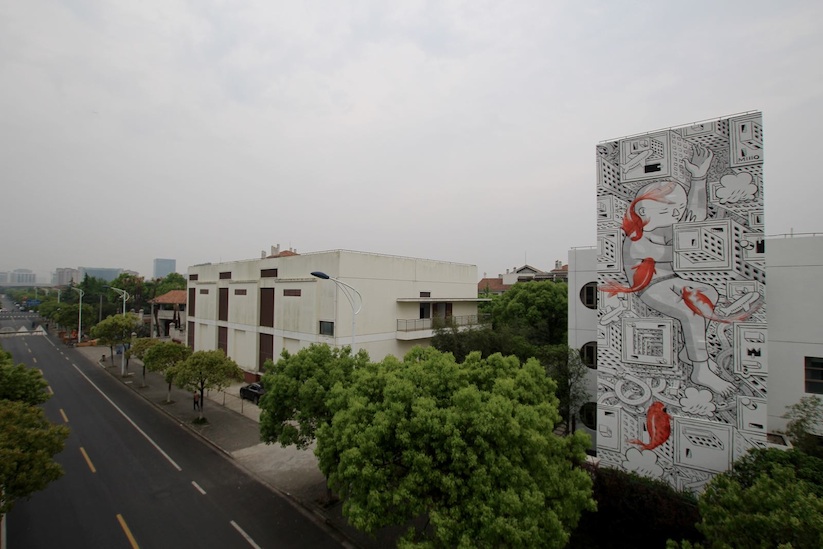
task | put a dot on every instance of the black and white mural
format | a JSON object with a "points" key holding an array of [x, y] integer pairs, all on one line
{"points": [[681, 312]]}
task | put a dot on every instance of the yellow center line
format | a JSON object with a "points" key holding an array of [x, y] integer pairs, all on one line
{"points": [[85, 455], [126, 530], [62, 413], [35, 361], [49, 390]]}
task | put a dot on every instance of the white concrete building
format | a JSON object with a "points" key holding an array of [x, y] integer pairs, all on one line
{"points": [[795, 341], [255, 309]]}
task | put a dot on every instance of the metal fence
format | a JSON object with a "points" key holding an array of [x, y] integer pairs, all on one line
{"points": [[447, 322]]}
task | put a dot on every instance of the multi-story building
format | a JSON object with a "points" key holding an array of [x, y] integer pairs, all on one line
{"points": [[794, 342], [255, 309], [164, 267], [22, 277], [64, 276], [103, 273]]}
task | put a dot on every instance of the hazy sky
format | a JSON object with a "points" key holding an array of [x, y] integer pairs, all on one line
{"points": [[460, 131]]}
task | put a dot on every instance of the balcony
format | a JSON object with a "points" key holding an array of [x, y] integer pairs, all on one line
{"points": [[423, 328]]}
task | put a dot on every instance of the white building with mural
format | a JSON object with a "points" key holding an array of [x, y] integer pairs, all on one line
{"points": [[255, 309]]}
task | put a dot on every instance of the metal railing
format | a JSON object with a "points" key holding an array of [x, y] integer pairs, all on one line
{"points": [[417, 324]]}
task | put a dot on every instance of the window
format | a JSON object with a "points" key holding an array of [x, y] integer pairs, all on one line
{"points": [[326, 328], [223, 304], [268, 273], [267, 307], [239, 292], [588, 415], [292, 293], [206, 292], [225, 275], [266, 348], [588, 295], [223, 339], [193, 277], [190, 304], [425, 294], [814, 375], [190, 335], [425, 310], [588, 354]]}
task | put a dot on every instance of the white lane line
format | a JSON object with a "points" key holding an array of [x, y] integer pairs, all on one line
{"points": [[133, 424], [245, 535], [198, 488]]}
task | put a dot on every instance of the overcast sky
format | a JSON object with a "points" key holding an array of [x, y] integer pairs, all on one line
{"points": [[463, 131]]}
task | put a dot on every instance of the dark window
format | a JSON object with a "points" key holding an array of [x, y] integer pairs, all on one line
{"points": [[204, 292], [326, 328], [225, 275], [190, 304], [268, 273], [588, 354], [588, 415], [267, 307], [223, 339], [223, 304], [448, 310], [814, 375], [190, 335], [588, 295], [266, 351], [193, 277], [292, 293], [425, 294], [239, 292], [425, 310]]}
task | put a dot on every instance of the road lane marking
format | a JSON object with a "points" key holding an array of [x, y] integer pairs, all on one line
{"points": [[49, 390], [126, 531], [34, 359], [133, 424], [245, 535], [62, 413], [85, 455], [198, 488]]}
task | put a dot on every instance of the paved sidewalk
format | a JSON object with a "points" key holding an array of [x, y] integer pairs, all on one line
{"points": [[233, 427]]}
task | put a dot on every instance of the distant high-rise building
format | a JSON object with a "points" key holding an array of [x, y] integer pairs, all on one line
{"points": [[164, 267], [4, 277], [99, 272], [23, 276], [64, 276]]}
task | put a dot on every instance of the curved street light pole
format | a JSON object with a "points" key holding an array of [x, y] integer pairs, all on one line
{"points": [[350, 294], [79, 313], [124, 294]]}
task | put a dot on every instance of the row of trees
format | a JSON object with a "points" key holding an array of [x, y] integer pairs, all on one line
{"points": [[466, 445], [28, 441]]}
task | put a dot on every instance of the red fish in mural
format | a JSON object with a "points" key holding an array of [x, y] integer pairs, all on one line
{"points": [[643, 274], [659, 426], [701, 305]]}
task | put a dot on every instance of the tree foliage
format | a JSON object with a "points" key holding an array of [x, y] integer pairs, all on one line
{"points": [[469, 445], [163, 357], [205, 370], [538, 310], [805, 424], [19, 382], [566, 368], [297, 389]]}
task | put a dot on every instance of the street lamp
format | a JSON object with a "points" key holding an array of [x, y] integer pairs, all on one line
{"points": [[124, 294], [79, 313], [350, 294]]}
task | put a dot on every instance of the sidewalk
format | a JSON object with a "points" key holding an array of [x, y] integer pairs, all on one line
{"points": [[233, 428]]}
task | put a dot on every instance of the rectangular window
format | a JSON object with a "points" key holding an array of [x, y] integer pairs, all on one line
{"points": [[267, 307], [204, 292], [190, 304], [239, 292], [268, 273], [225, 275], [814, 375], [292, 293], [425, 294], [326, 328], [193, 277], [223, 304], [190, 335], [223, 339], [266, 351], [425, 310]]}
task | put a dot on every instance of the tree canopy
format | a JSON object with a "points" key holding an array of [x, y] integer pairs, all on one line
{"points": [[19, 382], [538, 310], [297, 389], [469, 445], [163, 357], [805, 419], [205, 370]]}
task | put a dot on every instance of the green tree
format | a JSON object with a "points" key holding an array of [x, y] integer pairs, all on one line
{"points": [[18, 382], [469, 445], [297, 389], [536, 310], [805, 424], [116, 330], [163, 358], [28, 444], [134, 285], [67, 316], [138, 350], [172, 281], [566, 368], [206, 370]]}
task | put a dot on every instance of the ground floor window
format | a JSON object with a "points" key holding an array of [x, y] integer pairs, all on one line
{"points": [[814, 375], [326, 328]]}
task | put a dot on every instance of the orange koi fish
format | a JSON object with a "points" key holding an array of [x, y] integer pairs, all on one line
{"points": [[632, 222], [699, 304], [659, 426], [643, 274]]}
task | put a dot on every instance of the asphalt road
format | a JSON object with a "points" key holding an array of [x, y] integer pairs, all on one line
{"points": [[136, 478]]}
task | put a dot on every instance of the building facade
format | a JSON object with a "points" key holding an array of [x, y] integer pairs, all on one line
{"points": [[64, 276], [164, 267], [255, 309], [103, 273]]}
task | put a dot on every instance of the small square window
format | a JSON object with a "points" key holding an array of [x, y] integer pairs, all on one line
{"points": [[326, 328], [814, 375]]}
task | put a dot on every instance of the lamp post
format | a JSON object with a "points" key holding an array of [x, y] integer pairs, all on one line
{"points": [[124, 294], [350, 294], [79, 313]]}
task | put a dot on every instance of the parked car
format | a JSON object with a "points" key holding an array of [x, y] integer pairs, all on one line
{"points": [[252, 392]]}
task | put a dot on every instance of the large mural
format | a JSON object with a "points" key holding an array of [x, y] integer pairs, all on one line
{"points": [[681, 352]]}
